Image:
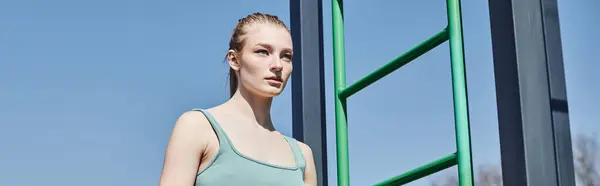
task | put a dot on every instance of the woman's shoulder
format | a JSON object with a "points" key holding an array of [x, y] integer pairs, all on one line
{"points": [[198, 115], [306, 150], [192, 117], [191, 123]]}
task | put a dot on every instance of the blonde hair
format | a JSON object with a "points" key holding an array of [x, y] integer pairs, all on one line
{"points": [[237, 40]]}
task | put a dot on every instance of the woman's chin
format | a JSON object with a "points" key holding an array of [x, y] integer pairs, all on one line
{"points": [[271, 92]]}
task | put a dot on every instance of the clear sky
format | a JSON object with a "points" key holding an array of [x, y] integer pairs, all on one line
{"points": [[90, 90]]}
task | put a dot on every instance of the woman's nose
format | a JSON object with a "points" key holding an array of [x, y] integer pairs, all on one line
{"points": [[276, 65]]}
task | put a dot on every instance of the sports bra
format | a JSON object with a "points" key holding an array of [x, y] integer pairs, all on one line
{"points": [[229, 167]]}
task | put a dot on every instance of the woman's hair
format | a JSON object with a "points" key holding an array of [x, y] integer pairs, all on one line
{"points": [[237, 40]]}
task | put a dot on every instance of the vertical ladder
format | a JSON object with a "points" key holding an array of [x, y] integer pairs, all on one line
{"points": [[453, 33]]}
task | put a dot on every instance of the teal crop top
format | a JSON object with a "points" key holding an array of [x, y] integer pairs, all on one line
{"points": [[229, 167]]}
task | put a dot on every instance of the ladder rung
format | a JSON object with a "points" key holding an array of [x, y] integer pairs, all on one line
{"points": [[400, 61], [422, 171]]}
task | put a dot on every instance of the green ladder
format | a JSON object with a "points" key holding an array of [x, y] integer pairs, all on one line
{"points": [[453, 33]]}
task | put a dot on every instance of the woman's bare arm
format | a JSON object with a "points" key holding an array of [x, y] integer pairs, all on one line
{"points": [[310, 172], [184, 150]]}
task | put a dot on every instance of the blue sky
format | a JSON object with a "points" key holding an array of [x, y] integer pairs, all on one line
{"points": [[89, 90]]}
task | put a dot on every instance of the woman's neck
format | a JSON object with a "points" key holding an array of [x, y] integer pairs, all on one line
{"points": [[253, 107]]}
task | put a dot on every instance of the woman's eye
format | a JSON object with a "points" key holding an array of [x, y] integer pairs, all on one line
{"points": [[287, 57], [263, 52]]}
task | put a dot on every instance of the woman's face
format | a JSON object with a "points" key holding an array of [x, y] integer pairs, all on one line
{"points": [[265, 62]]}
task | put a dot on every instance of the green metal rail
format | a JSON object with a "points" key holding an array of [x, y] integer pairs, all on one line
{"points": [[453, 34]]}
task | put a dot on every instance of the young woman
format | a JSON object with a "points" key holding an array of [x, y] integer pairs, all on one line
{"points": [[235, 143]]}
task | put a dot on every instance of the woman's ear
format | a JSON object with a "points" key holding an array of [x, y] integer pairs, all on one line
{"points": [[232, 59]]}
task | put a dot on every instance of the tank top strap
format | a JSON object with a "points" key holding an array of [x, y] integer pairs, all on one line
{"points": [[298, 155], [221, 135]]}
